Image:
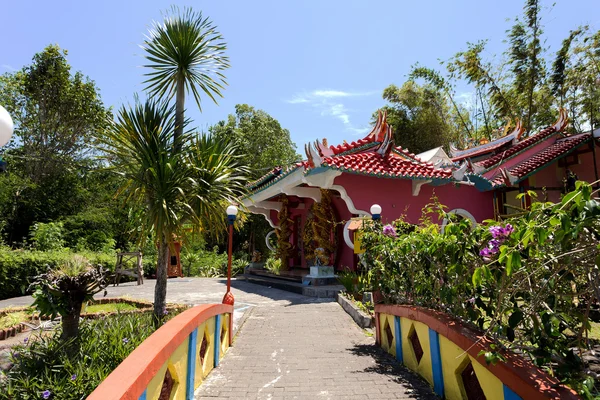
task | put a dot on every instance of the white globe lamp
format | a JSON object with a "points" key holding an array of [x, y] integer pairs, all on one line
{"points": [[376, 211], [6, 126]]}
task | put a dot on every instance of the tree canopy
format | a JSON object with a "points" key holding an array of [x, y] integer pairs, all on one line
{"points": [[57, 114], [260, 139]]}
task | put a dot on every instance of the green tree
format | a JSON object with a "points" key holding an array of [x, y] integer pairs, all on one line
{"points": [[420, 116], [57, 115], [186, 54], [262, 142], [574, 78], [176, 179]]}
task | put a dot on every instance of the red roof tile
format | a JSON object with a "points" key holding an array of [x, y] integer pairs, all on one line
{"points": [[522, 145], [341, 148], [545, 156], [372, 163]]}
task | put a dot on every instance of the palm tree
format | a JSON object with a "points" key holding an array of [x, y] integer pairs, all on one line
{"points": [[186, 54], [175, 179]]}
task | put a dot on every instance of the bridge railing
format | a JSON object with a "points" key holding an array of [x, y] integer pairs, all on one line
{"points": [[175, 359], [446, 353]]}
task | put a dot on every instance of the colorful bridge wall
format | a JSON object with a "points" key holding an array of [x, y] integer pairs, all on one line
{"points": [[174, 360], [445, 353]]}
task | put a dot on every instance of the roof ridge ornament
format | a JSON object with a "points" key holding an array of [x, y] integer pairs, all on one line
{"points": [[387, 141], [312, 156], [508, 178], [562, 121]]}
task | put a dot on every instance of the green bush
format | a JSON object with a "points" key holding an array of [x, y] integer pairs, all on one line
{"points": [[273, 265], [44, 364], [18, 267], [526, 282], [47, 236]]}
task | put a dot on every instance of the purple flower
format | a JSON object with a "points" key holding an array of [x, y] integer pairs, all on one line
{"points": [[165, 312], [46, 394], [496, 231], [26, 340], [73, 377], [485, 252], [125, 340], [389, 230], [471, 300], [508, 229]]}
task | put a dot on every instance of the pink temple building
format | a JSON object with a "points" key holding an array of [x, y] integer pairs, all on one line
{"points": [[477, 183]]}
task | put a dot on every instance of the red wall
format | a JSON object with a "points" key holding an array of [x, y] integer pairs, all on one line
{"points": [[396, 199]]}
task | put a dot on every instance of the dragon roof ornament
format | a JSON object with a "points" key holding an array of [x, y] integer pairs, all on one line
{"points": [[562, 121], [381, 136]]}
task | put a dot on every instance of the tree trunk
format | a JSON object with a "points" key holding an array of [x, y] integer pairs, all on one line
{"points": [[70, 328], [179, 112], [160, 290]]}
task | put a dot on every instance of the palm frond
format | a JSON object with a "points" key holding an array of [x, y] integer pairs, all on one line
{"points": [[187, 48]]}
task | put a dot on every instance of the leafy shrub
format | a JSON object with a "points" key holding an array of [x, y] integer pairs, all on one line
{"points": [[43, 364], [18, 267], [348, 280], [273, 265], [47, 236], [62, 291], [523, 281]]}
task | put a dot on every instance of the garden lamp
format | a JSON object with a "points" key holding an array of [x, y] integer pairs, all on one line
{"points": [[376, 212], [231, 213], [6, 126]]}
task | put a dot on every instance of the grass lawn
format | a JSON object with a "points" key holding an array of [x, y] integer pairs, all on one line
{"points": [[13, 318], [108, 307]]}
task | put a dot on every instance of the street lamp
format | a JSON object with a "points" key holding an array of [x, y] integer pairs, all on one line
{"points": [[376, 212], [231, 213], [6, 126]]}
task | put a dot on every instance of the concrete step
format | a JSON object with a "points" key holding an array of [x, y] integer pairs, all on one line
{"points": [[327, 291]]}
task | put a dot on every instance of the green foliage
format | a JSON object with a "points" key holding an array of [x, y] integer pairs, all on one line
{"points": [[57, 115], [47, 236], [420, 116], [273, 265], [185, 52], [348, 279], [259, 138], [18, 267], [525, 283], [46, 364], [62, 291]]}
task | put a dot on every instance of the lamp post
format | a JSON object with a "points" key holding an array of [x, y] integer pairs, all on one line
{"points": [[376, 212], [231, 213], [6, 126]]}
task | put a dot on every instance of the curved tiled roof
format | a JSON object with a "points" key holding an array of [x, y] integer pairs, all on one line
{"points": [[372, 163], [517, 148], [482, 149], [546, 156]]}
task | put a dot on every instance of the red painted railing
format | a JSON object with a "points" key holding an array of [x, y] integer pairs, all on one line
{"points": [[131, 378]]}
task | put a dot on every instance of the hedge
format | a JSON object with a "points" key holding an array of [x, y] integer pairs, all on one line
{"points": [[18, 267]]}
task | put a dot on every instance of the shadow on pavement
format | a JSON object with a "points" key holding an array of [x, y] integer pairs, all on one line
{"points": [[385, 364], [275, 294]]}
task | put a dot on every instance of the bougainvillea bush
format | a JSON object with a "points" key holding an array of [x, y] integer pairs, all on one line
{"points": [[529, 281]]}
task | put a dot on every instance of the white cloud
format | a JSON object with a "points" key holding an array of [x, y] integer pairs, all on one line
{"points": [[8, 67], [323, 94], [465, 99], [323, 100]]}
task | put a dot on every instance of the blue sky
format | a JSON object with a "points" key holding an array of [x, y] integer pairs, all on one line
{"points": [[319, 67]]}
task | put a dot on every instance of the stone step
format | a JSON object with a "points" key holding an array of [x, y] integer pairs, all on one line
{"points": [[326, 291]]}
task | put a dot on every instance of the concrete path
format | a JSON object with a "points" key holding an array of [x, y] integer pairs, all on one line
{"points": [[296, 347]]}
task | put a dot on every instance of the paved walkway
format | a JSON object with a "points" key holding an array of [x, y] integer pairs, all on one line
{"points": [[290, 346], [295, 347]]}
